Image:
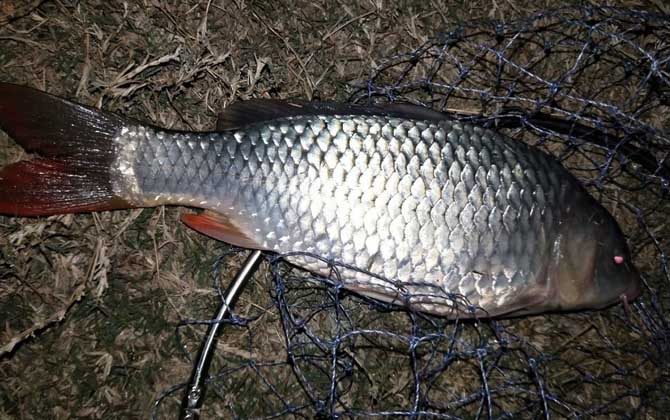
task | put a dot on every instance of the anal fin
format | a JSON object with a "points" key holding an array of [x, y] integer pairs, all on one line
{"points": [[219, 227]]}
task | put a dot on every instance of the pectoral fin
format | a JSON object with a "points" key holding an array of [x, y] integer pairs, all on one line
{"points": [[220, 227]]}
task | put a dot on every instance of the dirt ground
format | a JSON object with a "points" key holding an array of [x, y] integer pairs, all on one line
{"points": [[100, 295]]}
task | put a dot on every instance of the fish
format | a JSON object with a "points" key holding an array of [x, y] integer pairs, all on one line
{"points": [[416, 208]]}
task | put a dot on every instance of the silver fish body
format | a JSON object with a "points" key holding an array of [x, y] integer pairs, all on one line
{"points": [[432, 207], [418, 208]]}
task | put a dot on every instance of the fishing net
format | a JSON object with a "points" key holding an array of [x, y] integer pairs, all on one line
{"points": [[101, 293], [589, 85]]}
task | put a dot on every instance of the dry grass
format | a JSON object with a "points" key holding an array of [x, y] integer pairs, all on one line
{"points": [[101, 294]]}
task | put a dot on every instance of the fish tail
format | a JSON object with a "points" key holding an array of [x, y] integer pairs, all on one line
{"points": [[76, 150]]}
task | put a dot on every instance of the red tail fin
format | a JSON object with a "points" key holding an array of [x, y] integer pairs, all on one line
{"points": [[76, 142]]}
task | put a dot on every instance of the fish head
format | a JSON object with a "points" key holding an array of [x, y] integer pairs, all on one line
{"points": [[592, 262]]}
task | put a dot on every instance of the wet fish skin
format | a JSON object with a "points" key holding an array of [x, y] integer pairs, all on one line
{"points": [[433, 205], [437, 206]]}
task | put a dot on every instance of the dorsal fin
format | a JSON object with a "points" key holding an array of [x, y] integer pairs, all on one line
{"points": [[411, 112], [243, 113]]}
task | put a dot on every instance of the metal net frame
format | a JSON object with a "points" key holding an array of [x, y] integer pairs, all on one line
{"points": [[592, 87]]}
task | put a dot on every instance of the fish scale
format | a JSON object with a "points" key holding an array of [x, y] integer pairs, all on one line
{"points": [[297, 183], [433, 206]]}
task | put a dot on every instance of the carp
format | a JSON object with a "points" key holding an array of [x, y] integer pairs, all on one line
{"points": [[417, 207]]}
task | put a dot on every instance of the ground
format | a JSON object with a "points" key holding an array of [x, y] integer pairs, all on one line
{"points": [[91, 303]]}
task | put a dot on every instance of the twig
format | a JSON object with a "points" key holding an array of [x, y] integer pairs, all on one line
{"points": [[27, 41]]}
